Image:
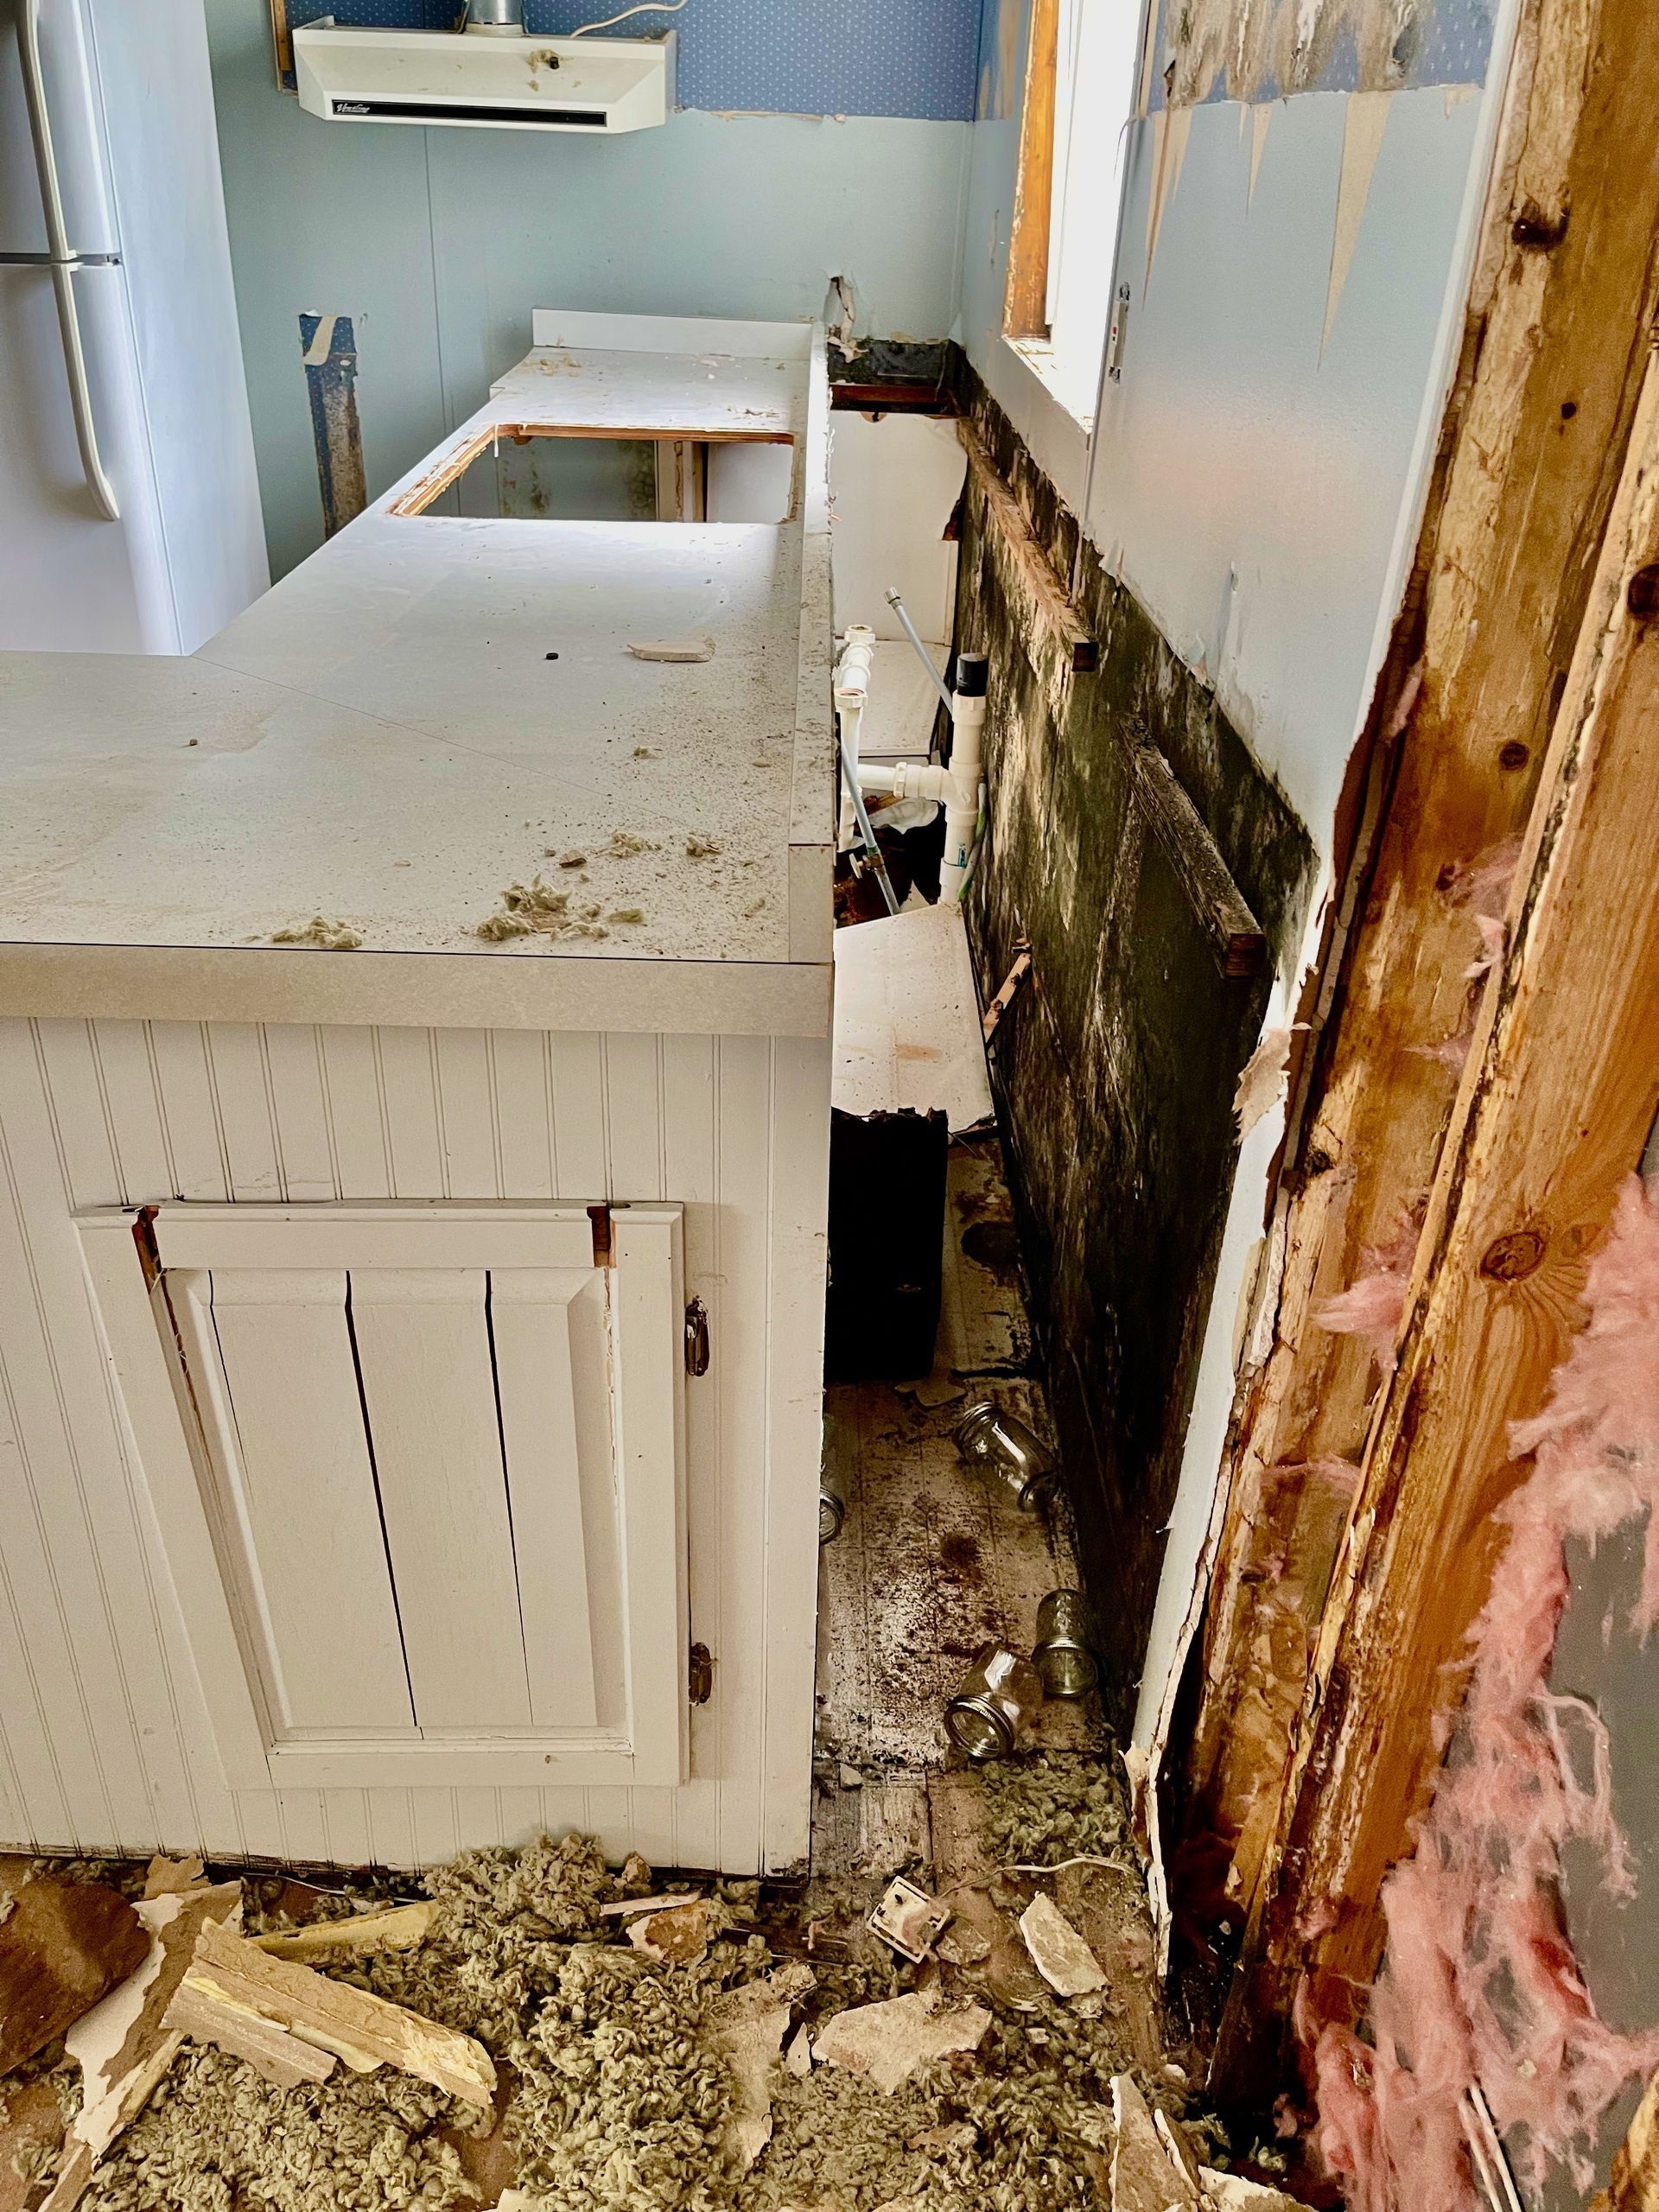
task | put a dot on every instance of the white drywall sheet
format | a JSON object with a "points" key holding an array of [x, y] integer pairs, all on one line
{"points": [[907, 1024], [895, 482]]}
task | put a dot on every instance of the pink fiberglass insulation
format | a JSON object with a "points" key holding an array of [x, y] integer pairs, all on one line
{"points": [[1480, 1982], [1371, 1306], [1483, 887]]}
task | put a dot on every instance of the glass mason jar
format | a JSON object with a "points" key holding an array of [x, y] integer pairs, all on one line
{"points": [[993, 1703], [1062, 1655], [1002, 1446]]}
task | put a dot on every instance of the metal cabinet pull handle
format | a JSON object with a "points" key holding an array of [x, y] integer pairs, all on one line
{"points": [[61, 258]]}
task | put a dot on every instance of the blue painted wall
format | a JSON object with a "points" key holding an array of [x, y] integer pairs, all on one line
{"points": [[787, 57], [439, 244]]}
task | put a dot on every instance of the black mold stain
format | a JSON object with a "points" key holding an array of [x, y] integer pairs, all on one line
{"points": [[994, 1244], [1115, 1071]]}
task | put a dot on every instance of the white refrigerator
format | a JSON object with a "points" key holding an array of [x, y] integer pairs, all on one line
{"points": [[129, 516]]}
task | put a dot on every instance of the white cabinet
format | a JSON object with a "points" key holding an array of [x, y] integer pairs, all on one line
{"points": [[359, 1507], [419, 1477]]}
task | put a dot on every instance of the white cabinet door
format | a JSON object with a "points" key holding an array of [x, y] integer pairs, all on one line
{"points": [[419, 1476]]}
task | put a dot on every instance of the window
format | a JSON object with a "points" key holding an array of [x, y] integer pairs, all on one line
{"points": [[1078, 95]]}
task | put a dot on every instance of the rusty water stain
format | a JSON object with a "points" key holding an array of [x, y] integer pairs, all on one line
{"points": [[959, 1555], [1256, 49]]}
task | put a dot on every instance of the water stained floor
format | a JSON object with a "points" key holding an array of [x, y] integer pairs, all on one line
{"points": [[933, 1559], [613, 2063]]}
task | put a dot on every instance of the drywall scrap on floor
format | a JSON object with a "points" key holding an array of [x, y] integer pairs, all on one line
{"points": [[631, 2081], [1481, 1984]]}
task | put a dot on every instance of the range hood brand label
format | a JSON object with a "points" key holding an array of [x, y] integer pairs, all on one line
{"points": [[443, 111]]}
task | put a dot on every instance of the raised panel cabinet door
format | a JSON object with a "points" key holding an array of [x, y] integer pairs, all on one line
{"points": [[418, 1471], [294, 1458], [429, 1387]]}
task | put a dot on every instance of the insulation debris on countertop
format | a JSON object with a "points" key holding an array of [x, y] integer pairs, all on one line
{"points": [[330, 937]]}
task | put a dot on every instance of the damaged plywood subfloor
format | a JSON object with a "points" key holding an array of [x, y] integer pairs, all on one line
{"points": [[932, 1560]]}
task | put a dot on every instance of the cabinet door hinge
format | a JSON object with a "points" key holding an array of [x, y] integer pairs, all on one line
{"points": [[700, 1675], [696, 1338]]}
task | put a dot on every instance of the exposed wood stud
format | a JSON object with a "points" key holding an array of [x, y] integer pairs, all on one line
{"points": [[1026, 311], [328, 350], [1236, 936], [1459, 728], [1555, 1109], [282, 44], [1049, 601]]}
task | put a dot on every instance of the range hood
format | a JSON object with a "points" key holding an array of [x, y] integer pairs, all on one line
{"points": [[352, 74]]}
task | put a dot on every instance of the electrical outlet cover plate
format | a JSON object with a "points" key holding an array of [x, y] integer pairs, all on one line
{"points": [[907, 1920]]}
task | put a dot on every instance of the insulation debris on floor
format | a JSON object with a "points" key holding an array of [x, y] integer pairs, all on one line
{"points": [[503, 2038], [956, 2011]]}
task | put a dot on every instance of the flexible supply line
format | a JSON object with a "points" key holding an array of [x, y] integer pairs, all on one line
{"points": [[872, 849], [923, 654], [852, 685]]}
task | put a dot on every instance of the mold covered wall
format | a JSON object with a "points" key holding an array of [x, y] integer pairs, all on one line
{"points": [[440, 243], [1300, 189], [1115, 1070]]}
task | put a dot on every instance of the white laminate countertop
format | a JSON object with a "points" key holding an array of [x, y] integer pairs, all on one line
{"points": [[435, 708]]}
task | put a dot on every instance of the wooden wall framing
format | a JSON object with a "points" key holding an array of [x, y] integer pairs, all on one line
{"points": [[1518, 690], [1026, 311]]}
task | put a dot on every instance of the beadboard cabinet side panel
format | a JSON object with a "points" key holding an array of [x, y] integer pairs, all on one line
{"points": [[104, 1742]]}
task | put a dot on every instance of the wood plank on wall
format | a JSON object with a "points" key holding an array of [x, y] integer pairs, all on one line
{"points": [[1554, 1110], [1553, 355]]}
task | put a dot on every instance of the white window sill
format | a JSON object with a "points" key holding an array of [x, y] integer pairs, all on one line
{"points": [[1041, 359], [1019, 377]]}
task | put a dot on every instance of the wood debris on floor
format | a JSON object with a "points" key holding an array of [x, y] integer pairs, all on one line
{"points": [[292, 2024], [792, 2061], [959, 2009], [62, 1945]]}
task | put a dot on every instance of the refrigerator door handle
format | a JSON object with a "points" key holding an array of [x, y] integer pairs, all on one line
{"points": [[62, 259]]}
